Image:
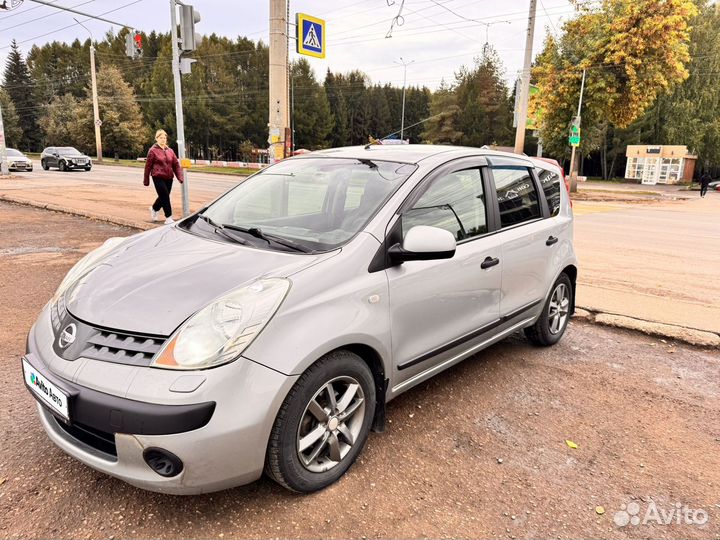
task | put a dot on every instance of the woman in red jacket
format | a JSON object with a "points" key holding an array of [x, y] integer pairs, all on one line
{"points": [[161, 164]]}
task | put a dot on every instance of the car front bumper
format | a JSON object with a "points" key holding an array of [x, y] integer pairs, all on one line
{"points": [[20, 167], [219, 429]]}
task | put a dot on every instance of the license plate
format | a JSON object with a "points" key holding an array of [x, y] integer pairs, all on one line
{"points": [[49, 394]]}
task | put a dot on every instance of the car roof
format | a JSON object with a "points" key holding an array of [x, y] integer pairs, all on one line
{"points": [[410, 153]]}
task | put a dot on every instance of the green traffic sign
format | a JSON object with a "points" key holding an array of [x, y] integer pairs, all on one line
{"points": [[574, 140]]}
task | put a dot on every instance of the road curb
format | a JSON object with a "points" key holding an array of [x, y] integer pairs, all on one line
{"points": [[80, 213], [691, 336]]}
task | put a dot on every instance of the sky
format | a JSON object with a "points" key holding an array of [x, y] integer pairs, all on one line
{"points": [[437, 36]]}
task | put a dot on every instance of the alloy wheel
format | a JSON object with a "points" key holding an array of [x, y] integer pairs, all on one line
{"points": [[331, 424], [559, 308]]}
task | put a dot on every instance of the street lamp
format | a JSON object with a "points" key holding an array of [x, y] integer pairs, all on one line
{"points": [[96, 110], [404, 64]]}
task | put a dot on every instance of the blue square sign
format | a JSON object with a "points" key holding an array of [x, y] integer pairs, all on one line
{"points": [[310, 35]]}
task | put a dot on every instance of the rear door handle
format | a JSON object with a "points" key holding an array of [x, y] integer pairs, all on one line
{"points": [[551, 240], [488, 262]]}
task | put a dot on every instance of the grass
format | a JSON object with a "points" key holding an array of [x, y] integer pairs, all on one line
{"points": [[141, 164]]}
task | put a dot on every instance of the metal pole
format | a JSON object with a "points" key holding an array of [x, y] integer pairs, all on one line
{"points": [[178, 105], [402, 120], [573, 173], [292, 110], [96, 110], [4, 169], [525, 86]]}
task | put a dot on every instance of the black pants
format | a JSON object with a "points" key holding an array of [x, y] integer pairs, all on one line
{"points": [[163, 188], [703, 190]]}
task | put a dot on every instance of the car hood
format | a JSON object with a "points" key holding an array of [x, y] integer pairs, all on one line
{"points": [[19, 158], [74, 156], [155, 281]]}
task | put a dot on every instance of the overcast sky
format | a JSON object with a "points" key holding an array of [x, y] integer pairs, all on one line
{"points": [[438, 35]]}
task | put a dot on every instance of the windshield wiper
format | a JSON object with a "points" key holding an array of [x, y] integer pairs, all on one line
{"points": [[269, 238], [220, 229]]}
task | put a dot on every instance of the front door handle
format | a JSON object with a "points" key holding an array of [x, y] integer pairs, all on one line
{"points": [[551, 240], [488, 262]]}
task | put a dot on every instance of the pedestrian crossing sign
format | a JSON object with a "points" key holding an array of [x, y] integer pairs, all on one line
{"points": [[310, 35]]}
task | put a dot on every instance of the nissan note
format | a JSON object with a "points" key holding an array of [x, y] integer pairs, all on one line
{"points": [[268, 330]]}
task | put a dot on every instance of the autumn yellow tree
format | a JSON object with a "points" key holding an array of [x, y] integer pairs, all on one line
{"points": [[632, 51]]}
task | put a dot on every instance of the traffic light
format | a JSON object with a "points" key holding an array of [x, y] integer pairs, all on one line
{"points": [[137, 39], [188, 18], [133, 44], [129, 45]]}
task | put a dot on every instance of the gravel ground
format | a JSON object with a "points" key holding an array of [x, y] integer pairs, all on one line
{"points": [[479, 451]]}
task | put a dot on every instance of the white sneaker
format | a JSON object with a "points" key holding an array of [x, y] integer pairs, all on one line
{"points": [[153, 214], [169, 221]]}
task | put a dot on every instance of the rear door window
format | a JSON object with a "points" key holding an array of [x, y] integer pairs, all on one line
{"points": [[516, 194]]}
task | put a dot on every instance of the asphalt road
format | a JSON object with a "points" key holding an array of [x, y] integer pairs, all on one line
{"points": [[479, 451]]}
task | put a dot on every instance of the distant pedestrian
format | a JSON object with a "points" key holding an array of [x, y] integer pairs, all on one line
{"points": [[704, 181], [162, 164]]}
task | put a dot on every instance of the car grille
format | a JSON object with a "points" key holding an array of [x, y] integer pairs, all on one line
{"points": [[122, 348], [19, 165], [105, 344], [94, 438]]}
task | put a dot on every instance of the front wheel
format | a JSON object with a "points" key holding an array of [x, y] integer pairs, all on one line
{"points": [[62, 166], [323, 423], [44, 164], [88, 168], [553, 321]]}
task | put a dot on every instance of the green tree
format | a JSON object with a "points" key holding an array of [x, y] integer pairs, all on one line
{"points": [[11, 121], [18, 84], [313, 120], [62, 123], [445, 115]]}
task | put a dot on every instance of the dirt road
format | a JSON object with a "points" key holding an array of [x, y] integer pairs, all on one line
{"points": [[479, 451]]}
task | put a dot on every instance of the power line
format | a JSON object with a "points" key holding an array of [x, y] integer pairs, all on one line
{"points": [[74, 24], [43, 17]]}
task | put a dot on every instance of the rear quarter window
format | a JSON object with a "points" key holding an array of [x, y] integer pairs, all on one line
{"points": [[550, 182]]}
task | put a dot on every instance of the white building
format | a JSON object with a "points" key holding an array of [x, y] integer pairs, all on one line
{"points": [[659, 164]]}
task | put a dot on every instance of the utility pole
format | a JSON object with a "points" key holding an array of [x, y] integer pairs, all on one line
{"points": [[180, 121], [573, 172], [278, 106], [404, 64], [96, 109], [4, 169], [525, 84]]}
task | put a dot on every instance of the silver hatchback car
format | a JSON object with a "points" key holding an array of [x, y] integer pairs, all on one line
{"points": [[267, 331]]}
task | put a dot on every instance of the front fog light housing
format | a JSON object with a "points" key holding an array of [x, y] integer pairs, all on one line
{"points": [[221, 331]]}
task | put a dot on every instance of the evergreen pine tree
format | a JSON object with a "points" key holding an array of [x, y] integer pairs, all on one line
{"points": [[18, 84]]}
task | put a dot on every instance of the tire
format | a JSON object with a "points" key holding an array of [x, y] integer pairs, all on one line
{"points": [[553, 321], [62, 166], [44, 165], [88, 168], [317, 466]]}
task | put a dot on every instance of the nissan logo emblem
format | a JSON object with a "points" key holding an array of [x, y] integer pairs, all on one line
{"points": [[67, 336]]}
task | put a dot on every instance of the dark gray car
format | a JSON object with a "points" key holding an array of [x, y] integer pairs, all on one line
{"points": [[64, 158]]}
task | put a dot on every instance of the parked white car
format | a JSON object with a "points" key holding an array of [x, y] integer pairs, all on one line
{"points": [[18, 162]]}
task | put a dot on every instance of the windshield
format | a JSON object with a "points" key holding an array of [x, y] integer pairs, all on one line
{"points": [[317, 203], [15, 153], [67, 150]]}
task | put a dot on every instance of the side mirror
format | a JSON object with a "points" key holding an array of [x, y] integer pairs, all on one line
{"points": [[423, 243], [56, 154]]}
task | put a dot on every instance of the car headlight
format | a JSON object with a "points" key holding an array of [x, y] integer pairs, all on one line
{"points": [[89, 262], [221, 331]]}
